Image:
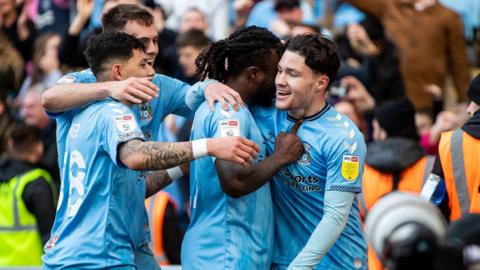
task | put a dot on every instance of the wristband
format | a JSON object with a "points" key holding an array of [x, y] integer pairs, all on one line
{"points": [[175, 172], [199, 148]]}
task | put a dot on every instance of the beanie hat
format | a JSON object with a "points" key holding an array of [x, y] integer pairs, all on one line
{"points": [[397, 118], [474, 90]]}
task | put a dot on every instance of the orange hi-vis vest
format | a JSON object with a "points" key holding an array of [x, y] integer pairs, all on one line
{"points": [[376, 184], [156, 207], [460, 157]]}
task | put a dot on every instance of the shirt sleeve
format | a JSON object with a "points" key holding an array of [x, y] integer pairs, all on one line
{"points": [[196, 94], [172, 96], [85, 76], [228, 123], [119, 126], [345, 160], [337, 207]]}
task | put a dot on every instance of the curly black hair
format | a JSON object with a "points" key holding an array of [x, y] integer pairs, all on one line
{"points": [[251, 46]]}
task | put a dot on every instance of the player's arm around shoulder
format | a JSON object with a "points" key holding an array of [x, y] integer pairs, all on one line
{"points": [[237, 181], [140, 155], [78, 89]]}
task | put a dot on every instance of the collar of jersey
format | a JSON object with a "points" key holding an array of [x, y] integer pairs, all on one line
{"points": [[312, 117]]}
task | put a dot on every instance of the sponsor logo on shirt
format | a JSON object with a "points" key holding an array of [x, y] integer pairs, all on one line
{"points": [[66, 79], [125, 123], [300, 182], [229, 127]]}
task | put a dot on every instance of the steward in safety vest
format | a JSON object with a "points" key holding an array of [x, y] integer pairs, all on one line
{"points": [[165, 229], [27, 200], [458, 162], [395, 161]]}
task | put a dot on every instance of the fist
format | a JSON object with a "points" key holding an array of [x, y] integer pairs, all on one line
{"points": [[288, 145]]}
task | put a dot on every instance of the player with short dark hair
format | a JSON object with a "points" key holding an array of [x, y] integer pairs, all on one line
{"points": [[316, 193], [101, 219]]}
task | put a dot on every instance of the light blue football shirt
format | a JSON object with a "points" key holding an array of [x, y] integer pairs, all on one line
{"points": [[101, 215], [149, 115], [226, 232], [170, 100], [333, 160]]}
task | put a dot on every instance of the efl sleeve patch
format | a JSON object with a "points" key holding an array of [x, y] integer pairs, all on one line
{"points": [[229, 127], [350, 167], [125, 123], [66, 79]]}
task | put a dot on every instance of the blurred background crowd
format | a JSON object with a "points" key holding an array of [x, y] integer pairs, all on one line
{"points": [[406, 66]]}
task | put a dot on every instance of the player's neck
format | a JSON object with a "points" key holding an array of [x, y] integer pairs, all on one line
{"points": [[310, 109]]}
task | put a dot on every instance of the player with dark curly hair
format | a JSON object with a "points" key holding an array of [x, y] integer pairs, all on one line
{"points": [[231, 220]]}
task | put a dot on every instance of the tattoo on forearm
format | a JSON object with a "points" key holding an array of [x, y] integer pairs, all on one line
{"points": [[159, 155], [156, 182]]}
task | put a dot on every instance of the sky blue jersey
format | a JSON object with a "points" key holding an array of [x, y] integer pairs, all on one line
{"points": [[101, 215], [333, 160], [226, 232], [170, 100]]}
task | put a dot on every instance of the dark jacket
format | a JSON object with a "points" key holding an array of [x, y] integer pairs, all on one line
{"points": [[393, 155], [37, 195]]}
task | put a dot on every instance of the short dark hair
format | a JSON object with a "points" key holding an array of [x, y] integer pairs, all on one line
{"points": [[116, 18], [286, 4], [320, 53], [251, 46], [193, 37], [107, 46], [24, 136]]}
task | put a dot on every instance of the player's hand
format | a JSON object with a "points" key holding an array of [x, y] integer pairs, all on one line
{"points": [[224, 94], [288, 146], [235, 149], [135, 90]]}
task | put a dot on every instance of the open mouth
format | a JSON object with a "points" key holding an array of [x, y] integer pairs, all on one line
{"points": [[281, 93]]}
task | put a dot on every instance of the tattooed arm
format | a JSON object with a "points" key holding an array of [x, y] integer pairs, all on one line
{"points": [[156, 182], [149, 156], [140, 155], [159, 180]]}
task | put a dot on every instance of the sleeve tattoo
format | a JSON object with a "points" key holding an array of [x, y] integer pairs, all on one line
{"points": [[157, 181], [157, 155]]}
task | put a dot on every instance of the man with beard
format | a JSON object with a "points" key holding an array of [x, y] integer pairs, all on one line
{"points": [[317, 220], [231, 224]]}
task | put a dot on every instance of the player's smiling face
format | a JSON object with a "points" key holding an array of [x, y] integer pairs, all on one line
{"points": [[296, 83], [137, 66], [147, 34]]}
